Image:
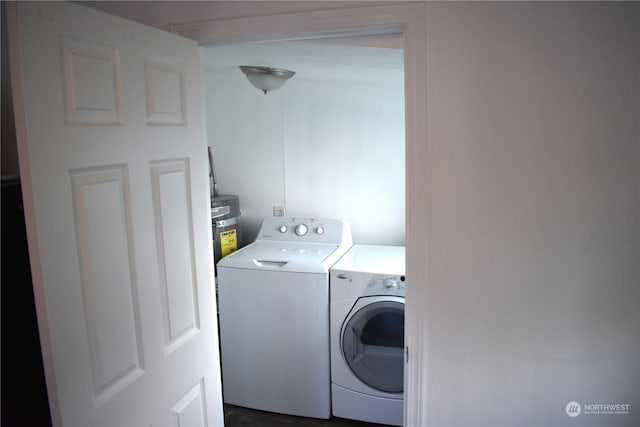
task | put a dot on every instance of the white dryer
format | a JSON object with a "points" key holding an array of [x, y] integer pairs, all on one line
{"points": [[367, 334], [274, 316]]}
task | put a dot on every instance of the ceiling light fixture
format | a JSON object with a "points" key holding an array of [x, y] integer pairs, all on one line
{"points": [[266, 78]]}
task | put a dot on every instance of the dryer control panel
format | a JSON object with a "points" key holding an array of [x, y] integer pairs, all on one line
{"points": [[382, 284], [305, 229]]}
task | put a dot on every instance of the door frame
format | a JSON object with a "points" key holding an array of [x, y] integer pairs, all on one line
{"points": [[409, 21]]}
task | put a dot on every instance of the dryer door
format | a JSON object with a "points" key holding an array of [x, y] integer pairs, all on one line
{"points": [[373, 342]]}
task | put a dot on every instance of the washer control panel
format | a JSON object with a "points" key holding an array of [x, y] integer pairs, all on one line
{"points": [[304, 229], [383, 284]]}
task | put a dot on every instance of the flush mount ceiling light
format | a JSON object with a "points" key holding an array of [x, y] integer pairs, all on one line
{"points": [[266, 78]]}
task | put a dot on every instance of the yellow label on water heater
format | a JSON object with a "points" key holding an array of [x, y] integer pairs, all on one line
{"points": [[228, 242]]}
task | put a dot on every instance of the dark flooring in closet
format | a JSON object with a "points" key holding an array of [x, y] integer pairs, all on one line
{"points": [[236, 416]]}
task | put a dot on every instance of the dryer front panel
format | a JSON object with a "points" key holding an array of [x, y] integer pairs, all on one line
{"points": [[373, 342]]}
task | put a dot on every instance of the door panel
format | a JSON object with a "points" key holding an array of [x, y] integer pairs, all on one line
{"points": [[92, 83], [115, 166], [189, 410], [174, 234], [108, 277], [165, 86]]}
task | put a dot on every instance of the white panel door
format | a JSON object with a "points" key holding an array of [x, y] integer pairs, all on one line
{"points": [[114, 167]]}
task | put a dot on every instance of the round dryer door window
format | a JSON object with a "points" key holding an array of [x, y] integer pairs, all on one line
{"points": [[373, 342]]}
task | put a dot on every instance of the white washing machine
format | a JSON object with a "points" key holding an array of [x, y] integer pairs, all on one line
{"points": [[274, 316], [367, 334]]}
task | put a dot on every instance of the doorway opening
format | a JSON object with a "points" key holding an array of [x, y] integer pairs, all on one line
{"points": [[408, 22]]}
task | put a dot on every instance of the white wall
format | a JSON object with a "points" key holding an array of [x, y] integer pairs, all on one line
{"points": [[246, 135], [534, 283], [330, 143]]}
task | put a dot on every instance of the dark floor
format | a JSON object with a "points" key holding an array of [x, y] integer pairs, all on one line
{"points": [[236, 416]]}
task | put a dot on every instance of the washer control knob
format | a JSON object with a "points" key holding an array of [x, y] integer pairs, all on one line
{"points": [[320, 231], [391, 284], [301, 229], [283, 228]]}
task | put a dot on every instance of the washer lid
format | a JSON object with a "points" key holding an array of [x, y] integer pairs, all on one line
{"points": [[284, 256], [286, 251]]}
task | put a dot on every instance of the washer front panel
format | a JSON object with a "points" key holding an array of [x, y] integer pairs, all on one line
{"points": [[275, 341]]}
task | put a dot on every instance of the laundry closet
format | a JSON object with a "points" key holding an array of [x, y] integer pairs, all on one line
{"points": [[329, 143]]}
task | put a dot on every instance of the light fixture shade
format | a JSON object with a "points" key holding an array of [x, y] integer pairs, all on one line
{"points": [[265, 78]]}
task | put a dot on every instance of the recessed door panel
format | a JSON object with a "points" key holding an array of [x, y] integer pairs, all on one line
{"points": [[189, 410], [108, 277], [174, 238], [93, 88], [164, 83]]}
